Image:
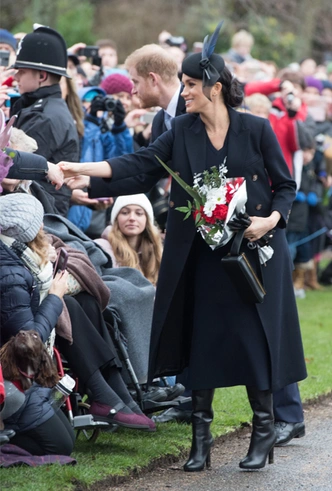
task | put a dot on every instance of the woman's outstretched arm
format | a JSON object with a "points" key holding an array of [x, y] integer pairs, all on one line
{"points": [[98, 169]]}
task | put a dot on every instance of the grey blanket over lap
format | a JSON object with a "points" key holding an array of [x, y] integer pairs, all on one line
{"points": [[132, 295]]}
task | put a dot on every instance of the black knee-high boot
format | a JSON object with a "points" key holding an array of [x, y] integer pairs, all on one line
{"points": [[202, 440], [263, 436]]}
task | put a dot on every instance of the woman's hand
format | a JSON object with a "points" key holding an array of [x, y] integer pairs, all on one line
{"points": [[55, 175], [79, 197], [70, 169], [133, 117], [59, 284], [52, 255], [260, 226]]}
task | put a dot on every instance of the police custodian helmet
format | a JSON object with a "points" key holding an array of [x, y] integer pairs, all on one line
{"points": [[43, 49]]}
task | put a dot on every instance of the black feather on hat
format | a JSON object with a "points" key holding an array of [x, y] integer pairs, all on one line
{"points": [[207, 65]]}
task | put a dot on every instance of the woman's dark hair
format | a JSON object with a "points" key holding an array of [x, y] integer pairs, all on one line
{"points": [[232, 89]]}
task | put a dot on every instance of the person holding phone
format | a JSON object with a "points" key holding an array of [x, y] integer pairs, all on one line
{"points": [[32, 299], [37, 295], [8, 45]]}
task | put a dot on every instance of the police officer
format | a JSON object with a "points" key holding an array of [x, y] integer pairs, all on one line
{"points": [[41, 61]]}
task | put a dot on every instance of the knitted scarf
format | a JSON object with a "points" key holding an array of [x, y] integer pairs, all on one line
{"points": [[43, 274]]}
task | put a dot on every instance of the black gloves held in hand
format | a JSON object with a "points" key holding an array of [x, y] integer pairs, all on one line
{"points": [[119, 113], [97, 104], [240, 222]]}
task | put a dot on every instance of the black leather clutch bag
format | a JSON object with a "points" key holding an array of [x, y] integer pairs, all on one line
{"points": [[242, 274]]}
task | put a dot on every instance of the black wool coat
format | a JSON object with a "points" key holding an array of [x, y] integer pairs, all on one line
{"points": [[254, 153]]}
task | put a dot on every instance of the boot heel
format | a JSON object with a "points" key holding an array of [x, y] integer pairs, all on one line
{"points": [[271, 456], [208, 460]]}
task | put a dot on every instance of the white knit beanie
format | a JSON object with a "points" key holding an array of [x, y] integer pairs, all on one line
{"points": [[133, 199], [21, 216]]}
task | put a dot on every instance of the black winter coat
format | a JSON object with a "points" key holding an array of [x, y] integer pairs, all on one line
{"points": [[45, 116], [254, 153], [19, 300]]}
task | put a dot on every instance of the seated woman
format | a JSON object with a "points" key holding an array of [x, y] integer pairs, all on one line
{"points": [[26, 278], [29, 372], [133, 240]]}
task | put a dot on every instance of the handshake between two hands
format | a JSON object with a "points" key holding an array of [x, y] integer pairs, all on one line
{"points": [[68, 173]]}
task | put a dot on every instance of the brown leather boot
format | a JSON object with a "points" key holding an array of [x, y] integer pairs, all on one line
{"points": [[298, 278], [310, 277]]}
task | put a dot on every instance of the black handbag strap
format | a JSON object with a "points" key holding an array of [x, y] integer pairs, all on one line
{"points": [[235, 249]]}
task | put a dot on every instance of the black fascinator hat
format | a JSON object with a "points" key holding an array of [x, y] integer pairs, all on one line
{"points": [[207, 65]]}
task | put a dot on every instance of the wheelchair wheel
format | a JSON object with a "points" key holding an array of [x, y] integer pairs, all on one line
{"points": [[90, 435]]}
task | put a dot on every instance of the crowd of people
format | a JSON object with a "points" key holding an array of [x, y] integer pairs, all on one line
{"points": [[79, 173]]}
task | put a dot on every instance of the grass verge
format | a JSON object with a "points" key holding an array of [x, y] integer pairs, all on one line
{"points": [[124, 451]]}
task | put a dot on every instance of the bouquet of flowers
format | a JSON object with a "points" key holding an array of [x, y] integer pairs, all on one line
{"points": [[216, 200]]}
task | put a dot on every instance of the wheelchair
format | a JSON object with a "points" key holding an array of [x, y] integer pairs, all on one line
{"points": [[77, 405]]}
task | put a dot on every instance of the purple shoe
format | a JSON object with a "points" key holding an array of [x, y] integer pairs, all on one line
{"points": [[102, 412], [152, 424]]}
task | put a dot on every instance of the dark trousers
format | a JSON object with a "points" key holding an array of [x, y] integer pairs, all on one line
{"points": [[54, 437], [287, 405]]}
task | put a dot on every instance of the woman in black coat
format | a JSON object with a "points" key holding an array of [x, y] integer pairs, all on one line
{"points": [[199, 319]]}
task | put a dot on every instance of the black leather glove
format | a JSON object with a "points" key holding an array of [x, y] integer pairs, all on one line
{"points": [[119, 113], [263, 241], [97, 104], [240, 222]]}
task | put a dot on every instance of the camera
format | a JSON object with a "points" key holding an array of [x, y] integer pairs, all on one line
{"points": [[290, 98], [320, 142], [178, 41], [88, 51], [107, 102], [4, 57]]}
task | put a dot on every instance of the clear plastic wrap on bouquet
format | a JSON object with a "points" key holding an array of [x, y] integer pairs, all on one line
{"points": [[220, 234]]}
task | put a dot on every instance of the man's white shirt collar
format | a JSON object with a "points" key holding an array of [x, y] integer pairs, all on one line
{"points": [[171, 108]]}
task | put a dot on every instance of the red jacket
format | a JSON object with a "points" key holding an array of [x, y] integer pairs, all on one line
{"points": [[285, 128], [283, 125]]}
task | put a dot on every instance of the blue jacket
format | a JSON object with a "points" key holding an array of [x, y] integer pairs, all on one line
{"points": [[19, 300], [35, 410], [96, 147]]}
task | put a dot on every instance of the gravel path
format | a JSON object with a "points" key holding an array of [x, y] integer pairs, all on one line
{"points": [[304, 464]]}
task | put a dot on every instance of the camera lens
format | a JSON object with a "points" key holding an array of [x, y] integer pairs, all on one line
{"points": [[110, 103], [290, 97]]}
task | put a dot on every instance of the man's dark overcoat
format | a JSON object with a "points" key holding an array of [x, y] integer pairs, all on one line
{"points": [[254, 153]]}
